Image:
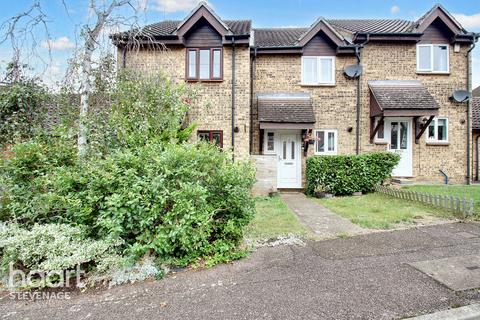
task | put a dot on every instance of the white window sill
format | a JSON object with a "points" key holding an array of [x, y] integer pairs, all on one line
{"points": [[317, 85], [437, 143], [381, 142], [441, 73], [326, 154]]}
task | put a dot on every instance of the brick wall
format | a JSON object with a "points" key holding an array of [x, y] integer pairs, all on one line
{"points": [[335, 106], [213, 107]]}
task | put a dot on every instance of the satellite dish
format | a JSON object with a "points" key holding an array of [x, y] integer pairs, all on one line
{"points": [[353, 71], [460, 96]]}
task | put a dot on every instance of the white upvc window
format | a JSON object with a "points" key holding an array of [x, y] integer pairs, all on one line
{"points": [[433, 58], [318, 70], [325, 142], [438, 130], [269, 142]]}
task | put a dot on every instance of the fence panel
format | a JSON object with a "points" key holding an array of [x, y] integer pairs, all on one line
{"points": [[463, 206]]}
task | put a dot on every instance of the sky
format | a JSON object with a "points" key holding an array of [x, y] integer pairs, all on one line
{"points": [[65, 19]]}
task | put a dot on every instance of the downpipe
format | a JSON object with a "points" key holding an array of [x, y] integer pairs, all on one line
{"points": [[444, 175], [478, 158], [359, 95], [469, 109], [233, 98]]}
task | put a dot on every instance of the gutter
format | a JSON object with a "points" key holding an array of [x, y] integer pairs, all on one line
{"points": [[469, 107], [233, 97], [359, 93]]}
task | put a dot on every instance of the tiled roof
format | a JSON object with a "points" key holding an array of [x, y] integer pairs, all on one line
{"points": [[372, 25], [168, 27], [476, 113], [476, 92], [278, 37], [398, 95], [284, 108]]}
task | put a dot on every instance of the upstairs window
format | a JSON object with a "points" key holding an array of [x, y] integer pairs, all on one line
{"points": [[318, 70], [432, 58], [204, 64], [438, 130], [212, 136]]}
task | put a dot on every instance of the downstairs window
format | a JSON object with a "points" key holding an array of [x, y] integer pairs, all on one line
{"points": [[213, 136]]}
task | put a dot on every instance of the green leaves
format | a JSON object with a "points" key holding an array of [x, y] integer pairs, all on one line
{"points": [[343, 175]]}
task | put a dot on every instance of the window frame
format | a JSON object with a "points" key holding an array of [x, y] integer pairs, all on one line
{"points": [[435, 124], [265, 142], [210, 135], [335, 142], [197, 64], [319, 71], [431, 70]]}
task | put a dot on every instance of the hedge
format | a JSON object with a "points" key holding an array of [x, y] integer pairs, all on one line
{"points": [[343, 175]]}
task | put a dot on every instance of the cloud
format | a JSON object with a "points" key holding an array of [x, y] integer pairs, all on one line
{"points": [[394, 9], [170, 6], [60, 44], [469, 22]]}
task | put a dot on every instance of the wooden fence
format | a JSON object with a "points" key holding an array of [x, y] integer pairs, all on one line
{"points": [[450, 203]]}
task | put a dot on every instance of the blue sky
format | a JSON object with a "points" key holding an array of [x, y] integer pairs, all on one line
{"points": [[64, 27]]}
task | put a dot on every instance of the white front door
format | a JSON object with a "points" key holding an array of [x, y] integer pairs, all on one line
{"points": [[398, 133], [288, 150]]}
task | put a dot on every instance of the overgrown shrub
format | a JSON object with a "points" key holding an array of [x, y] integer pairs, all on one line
{"points": [[53, 247], [180, 201], [22, 109], [343, 175]]}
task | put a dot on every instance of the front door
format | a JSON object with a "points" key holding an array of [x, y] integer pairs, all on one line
{"points": [[399, 136], [288, 154]]}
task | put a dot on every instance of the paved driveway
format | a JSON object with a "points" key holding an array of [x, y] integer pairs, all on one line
{"points": [[363, 277]]}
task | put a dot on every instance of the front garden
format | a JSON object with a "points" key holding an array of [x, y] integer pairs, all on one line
{"points": [[139, 200]]}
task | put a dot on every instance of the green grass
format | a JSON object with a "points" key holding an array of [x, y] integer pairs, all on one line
{"points": [[273, 219], [378, 211], [462, 191]]}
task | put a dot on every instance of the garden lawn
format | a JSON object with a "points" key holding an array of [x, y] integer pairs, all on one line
{"points": [[273, 218], [378, 211], [462, 191]]}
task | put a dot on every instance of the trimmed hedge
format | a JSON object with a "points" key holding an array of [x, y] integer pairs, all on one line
{"points": [[343, 175]]}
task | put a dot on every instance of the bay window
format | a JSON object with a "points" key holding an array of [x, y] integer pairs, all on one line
{"points": [[204, 64], [318, 70], [433, 58]]}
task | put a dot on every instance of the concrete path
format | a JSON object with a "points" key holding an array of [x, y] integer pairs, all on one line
{"points": [[362, 277], [471, 312], [323, 222]]}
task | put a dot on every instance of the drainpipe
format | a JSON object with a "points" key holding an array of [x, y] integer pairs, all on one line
{"points": [[469, 110], [233, 98], [359, 95], [477, 175], [252, 87]]}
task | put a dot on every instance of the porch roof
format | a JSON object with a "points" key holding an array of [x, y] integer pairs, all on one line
{"points": [[285, 111], [476, 113], [407, 98]]}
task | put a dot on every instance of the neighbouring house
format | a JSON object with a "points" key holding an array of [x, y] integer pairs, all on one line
{"points": [[279, 95], [476, 133]]}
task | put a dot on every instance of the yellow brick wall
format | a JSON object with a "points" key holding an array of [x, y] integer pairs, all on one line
{"points": [[213, 107]]}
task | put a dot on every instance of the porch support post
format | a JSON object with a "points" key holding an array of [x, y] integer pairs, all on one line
{"points": [[422, 129], [373, 128]]}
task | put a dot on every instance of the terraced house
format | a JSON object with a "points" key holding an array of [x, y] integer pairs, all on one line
{"points": [[279, 95]]}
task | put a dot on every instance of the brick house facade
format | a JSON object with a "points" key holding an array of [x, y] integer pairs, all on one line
{"points": [[336, 87]]}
